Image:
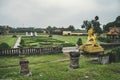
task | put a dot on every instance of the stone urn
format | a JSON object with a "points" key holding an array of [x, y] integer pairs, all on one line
{"points": [[74, 60], [24, 66]]}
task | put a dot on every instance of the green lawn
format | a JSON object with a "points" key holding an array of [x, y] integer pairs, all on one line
{"points": [[55, 67], [39, 41], [71, 39], [8, 39]]}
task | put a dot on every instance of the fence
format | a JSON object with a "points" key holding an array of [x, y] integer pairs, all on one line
{"points": [[30, 51]]}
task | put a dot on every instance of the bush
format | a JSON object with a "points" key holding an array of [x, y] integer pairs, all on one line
{"points": [[115, 55], [22, 43], [4, 46], [103, 39], [14, 36], [68, 44], [107, 40], [79, 42], [50, 35]]}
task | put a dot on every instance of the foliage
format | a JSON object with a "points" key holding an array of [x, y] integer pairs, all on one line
{"points": [[95, 23], [22, 43], [8, 39], [67, 44], [14, 36], [103, 39], [71, 39], [50, 35], [44, 41], [4, 46], [71, 28], [115, 23], [79, 42], [115, 55]]}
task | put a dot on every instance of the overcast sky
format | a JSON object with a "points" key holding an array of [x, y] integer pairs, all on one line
{"points": [[59, 13]]}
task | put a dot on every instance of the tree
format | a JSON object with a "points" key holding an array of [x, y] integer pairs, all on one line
{"points": [[115, 23], [49, 29], [71, 28], [95, 23]]}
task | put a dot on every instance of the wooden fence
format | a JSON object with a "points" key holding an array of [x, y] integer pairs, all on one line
{"points": [[30, 51]]}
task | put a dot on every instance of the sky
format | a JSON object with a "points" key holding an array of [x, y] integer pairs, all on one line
{"points": [[59, 13]]}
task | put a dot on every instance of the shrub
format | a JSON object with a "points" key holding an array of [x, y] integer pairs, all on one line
{"points": [[22, 43], [50, 35], [79, 42], [115, 55], [103, 39], [68, 44], [4, 46], [107, 40], [14, 36]]}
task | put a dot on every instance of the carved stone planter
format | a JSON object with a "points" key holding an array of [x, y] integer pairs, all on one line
{"points": [[74, 60], [24, 66]]}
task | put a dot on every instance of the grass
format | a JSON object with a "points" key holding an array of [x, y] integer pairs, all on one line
{"points": [[44, 41], [55, 67], [8, 39], [71, 39]]}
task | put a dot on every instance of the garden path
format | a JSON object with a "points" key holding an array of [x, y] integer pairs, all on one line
{"points": [[17, 42], [70, 49]]}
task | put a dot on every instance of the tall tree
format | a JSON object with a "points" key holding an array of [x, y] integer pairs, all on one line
{"points": [[95, 23], [71, 28], [49, 29], [115, 23]]}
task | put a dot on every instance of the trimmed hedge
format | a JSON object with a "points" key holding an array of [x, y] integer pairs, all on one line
{"points": [[79, 42], [4, 46]]}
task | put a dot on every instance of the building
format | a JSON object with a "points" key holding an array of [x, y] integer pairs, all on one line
{"points": [[66, 33], [114, 32]]}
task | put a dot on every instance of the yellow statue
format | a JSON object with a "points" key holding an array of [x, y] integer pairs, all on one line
{"points": [[91, 46]]}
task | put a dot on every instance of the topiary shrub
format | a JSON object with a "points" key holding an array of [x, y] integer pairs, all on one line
{"points": [[79, 42], [4, 46], [22, 43]]}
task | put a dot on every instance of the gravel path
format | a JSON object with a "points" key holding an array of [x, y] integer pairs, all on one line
{"points": [[17, 42], [70, 49]]}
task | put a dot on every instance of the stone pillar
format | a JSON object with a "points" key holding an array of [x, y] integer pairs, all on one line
{"points": [[103, 58], [24, 66], [74, 60]]}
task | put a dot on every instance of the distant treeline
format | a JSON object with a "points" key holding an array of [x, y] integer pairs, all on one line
{"points": [[49, 29], [56, 30]]}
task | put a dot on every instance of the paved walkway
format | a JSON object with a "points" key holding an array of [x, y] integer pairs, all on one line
{"points": [[70, 49], [17, 42]]}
